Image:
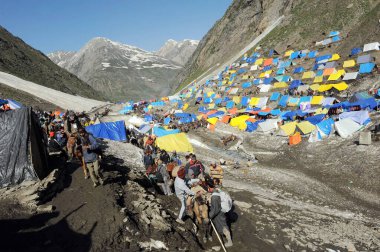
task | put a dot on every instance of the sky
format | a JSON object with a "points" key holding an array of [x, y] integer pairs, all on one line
{"points": [[51, 25]]}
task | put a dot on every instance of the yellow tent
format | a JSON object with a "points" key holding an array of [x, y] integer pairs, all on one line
{"points": [[288, 128], [314, 87], [210, 93], [199, 117], [337, 75], [306, 127], [308, 75], [318, 79], [323, 88], [288, 53], [245, 77], [236, 99], [185, 106], [222, 109], [235, 122], [280, 85], [340, 86], [175, 142], [213, 120], [316, 100], [349, 63], [224, 82], [258, 62], [254, 101], [265, 74], [231, 71], [334, 57], [211, 106]]}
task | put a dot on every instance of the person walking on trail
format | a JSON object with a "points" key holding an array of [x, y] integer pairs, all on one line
{"points": [[218, 216], [181, 190], [163, 178], [89, 146]]}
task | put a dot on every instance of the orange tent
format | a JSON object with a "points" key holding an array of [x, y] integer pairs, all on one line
{"points": [[295, 139], [268, 62], [328, 71], [225, 119], [232, 111], [252, 120], [263, 110]]}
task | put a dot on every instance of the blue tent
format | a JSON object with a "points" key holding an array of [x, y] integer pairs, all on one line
{"points": [[159, 131], [148, 118], [338, 105], [295, 84], [252, 126], [305, 99], [230, 104], [13, 104], [334, 33], [256, 81], [323, 57], [294, 55], [268, 80], [244, 101], [167, 120], [242, 70], [366, 103], [275, 96], [335, 39], [326, 126], [246, 84], [218, 100], [266, 68], [216, 114], [319, 73], [283, 101], [298, 70], [355, 51], [312, 54], [2, 102], [159, 103], [315, 119], [275, 112], [366, 67], [202, 110], [280, 71], [207, 100], [109, 130]]}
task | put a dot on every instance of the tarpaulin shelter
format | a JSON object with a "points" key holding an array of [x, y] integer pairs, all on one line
{"points": [[174, 142], [287, 129], [160, 131], [252, 126], [275, 96], [283, 101], [268, 126], [375, 46], [347, 127], [361, 117], [366, 68], [295, 139], [364, 59], [349, 63], [316, 100], [13, 104], [355, 51], [351, 76], [23, 155], [306, 127], [237, 121], [315, 119], [109, 130]]}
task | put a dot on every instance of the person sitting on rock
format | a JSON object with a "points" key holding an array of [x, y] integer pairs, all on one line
{"points": [[196, 166], [181, 191], [216, 173]]}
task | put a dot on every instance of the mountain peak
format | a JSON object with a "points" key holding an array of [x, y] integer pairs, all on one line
{"points": [[178, 51]]}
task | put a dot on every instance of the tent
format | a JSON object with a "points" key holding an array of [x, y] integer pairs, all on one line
{"points": [[308, 75], [349, 63], [336, 76], [325, 127], [175, 142], [287, 129], [136, 121], [351, 76], [262, 102], [13, 104], [371, 47], [268, 126], [364, 59], [306, 127], [315, 119], [355, 51], [252, 126], [366, 68], [237, 121], [109, 130], [316, 100], [347, 127], [361, 117], [274, 96], [23, 154], [213, 120], [160, 131], [283, 101]]}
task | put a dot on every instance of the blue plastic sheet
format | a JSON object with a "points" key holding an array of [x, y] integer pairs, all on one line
{"points": [[109, 130], [315, 119]]}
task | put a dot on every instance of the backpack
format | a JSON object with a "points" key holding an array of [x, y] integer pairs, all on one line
{"points": [[226, 201]]}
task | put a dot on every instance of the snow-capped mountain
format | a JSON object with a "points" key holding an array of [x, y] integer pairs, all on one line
{"points": [[178, 51], [120, 71]]}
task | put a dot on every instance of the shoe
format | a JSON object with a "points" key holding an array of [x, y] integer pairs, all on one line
{"points": [[86, 177], [228, 244], [180, 221], [96, 184], [101, 182]]}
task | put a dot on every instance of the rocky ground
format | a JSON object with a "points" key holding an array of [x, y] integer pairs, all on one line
{"points": [[310, 197]]}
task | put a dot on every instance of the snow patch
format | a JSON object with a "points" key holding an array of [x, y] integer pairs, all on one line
{"points": [[106, 64], [199, 144], [153, 244]]}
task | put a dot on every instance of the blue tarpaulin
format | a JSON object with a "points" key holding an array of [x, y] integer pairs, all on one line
{"points": [[109, 130], [167, 120], [244, 101], [326, 126], [13, 104], [159, 103], [280, 71], [274, 96], [275, 112], [366, 103], [218, 100], [295, 84], [355, 51], [366, 67], [323, 57], [2, 102], [312, 54], [298, 70], [230, 104], [252, 126], [283, 101], [216, 114], [315, 119], [246, 84]]}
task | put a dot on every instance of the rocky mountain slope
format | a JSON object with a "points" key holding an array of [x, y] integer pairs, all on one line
{"points": [[301, 27], [120, 71], [21, 60], [178, 51]]}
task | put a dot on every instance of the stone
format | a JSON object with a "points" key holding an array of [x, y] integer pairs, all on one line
{"points": [[216, 248]]}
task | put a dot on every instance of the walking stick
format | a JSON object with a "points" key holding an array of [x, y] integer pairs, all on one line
{"points": [[217, 234]]}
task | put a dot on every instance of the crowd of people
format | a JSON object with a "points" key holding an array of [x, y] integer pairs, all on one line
{"points": [[188, 180]]}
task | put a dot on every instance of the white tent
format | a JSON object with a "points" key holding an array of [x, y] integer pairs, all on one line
{"points": [[262, 102], [136, 121], [244, 65], [371, 47], [254, 67], [268, 126], [351, 76], [346, 127], [234, 90], [264, 88]]}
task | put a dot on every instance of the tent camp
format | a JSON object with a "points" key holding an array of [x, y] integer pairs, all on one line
{"points": [[175, 142], [371, 47], [23, 155], [361, 117], [346, 127]]}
